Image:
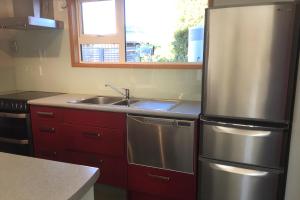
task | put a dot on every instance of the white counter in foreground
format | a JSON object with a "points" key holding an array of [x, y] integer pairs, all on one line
{"points": [[26, 178]]}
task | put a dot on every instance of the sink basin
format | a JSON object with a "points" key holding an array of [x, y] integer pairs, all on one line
{"points": [[126, 102], [156, 105], [159, 105], [101, 100]]}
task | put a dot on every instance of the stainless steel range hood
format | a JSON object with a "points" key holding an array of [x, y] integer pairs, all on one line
{"points": [[30, 14]]}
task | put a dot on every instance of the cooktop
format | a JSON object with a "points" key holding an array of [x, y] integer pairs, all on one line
{"points": [[28, 95], [16, 102]]}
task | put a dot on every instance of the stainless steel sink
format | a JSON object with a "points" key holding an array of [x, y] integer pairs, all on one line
{"points": [[101, 100], [159, 105], [126, 102]]}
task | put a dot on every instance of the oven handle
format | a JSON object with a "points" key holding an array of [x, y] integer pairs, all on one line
{"points": [[13, 115], [13, 141]]}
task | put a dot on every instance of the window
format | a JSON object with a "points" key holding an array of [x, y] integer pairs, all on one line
{"points": [[137, 33]]}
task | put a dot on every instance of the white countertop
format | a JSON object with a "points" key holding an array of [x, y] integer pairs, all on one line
{"points": [[26, 178], [184, 109]]}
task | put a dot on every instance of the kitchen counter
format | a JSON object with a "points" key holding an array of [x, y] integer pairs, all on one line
{"points": [[183, 110], [26, 178]]}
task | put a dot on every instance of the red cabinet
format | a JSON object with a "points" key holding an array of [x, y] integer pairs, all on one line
{"points": [[98, 139], [94, 140], [49, 154], [143, 196], [83, 137], [95, 118], [163, 184], [47, 134], [41, 113], [112, 170]]}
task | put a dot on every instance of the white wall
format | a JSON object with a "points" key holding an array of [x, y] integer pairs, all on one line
{"points": [[7, 79], [293, 180], [43, 63], [7, 70]]}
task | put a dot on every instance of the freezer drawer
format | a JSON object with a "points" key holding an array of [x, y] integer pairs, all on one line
{"points": [[248, 71], [225, 182], [261, 146], [161, 143]]}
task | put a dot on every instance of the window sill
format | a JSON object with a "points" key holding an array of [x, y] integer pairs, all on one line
{"points": [[139, 65]]}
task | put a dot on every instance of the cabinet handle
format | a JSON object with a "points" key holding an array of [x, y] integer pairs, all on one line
{"points": [[47, 130], [95, 161], [237, 170], [46, 114], [92, 134], [48, 154], [164, 178]]}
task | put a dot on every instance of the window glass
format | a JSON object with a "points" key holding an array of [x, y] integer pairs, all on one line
{"points": [[100, 53], [164, 30], [98, 17]]}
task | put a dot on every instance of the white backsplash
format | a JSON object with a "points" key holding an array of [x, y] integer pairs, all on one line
{"points": [[7, 69], [7, 79]]}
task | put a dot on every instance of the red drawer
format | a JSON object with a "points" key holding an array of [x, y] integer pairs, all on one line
{"points": [[112, 170], [162, 183], [94, 140], [49, 154], [96, 118], [46, 135], [143, 196], [40, 113]]}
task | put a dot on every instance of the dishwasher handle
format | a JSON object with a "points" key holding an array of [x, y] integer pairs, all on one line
{"points": [[162, 121]]}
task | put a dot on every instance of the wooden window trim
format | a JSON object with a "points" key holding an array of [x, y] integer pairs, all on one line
{"points": [[75, 51]]}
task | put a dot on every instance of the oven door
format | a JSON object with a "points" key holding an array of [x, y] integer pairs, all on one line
{"points": [[15, 134]]}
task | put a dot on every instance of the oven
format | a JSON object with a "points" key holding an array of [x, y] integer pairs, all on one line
{"points": [[15, 126], [15, 133]]}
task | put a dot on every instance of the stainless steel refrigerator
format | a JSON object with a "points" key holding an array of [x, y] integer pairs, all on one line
{"points": [[251, 57]]}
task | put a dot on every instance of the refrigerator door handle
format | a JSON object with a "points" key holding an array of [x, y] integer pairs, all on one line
{"points": [[237, 170], [234, 131], [253, 127]]}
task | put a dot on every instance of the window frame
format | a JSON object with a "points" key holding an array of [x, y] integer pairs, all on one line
{"points": [[76, 37]]}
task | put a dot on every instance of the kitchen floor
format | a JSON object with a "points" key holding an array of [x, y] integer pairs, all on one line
{"points": [[104, 192]]}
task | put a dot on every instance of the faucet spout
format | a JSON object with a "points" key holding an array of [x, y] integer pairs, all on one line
{"points": [[125, 94]]}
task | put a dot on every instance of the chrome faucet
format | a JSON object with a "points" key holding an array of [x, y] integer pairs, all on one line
{"points": [[125, 94]]}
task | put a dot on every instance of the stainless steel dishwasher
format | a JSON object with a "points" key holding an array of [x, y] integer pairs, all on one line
{"points": [[161, 143]]}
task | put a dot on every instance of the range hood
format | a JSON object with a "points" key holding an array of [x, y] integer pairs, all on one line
{"points": [[29, 14]]}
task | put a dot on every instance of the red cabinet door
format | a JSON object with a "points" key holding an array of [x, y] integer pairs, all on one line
{"points": [[49, 154], [46, 135], [142, 196], [162, 183], [94, 140], [96, 118], [43, 113], [47, 139], [112, 170]]}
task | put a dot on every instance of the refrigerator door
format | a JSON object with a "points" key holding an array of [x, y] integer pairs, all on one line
{"points": [[247, 62], [225, 182], [255, 145]]}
